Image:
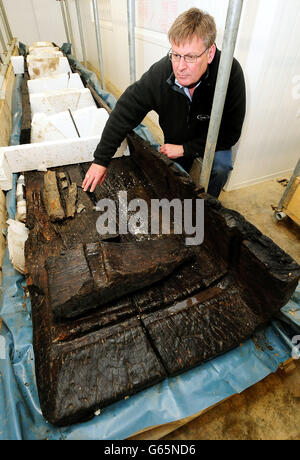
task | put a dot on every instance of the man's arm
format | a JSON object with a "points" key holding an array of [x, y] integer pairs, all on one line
{"points": [[130, 110]]}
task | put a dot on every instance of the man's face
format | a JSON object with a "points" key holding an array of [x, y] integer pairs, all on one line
{"points": [[188, 74]]}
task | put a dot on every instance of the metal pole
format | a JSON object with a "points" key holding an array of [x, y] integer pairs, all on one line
{"points": [[131, 38], [3, 42], [5, 20], [231, 29], [65, 20], [97, 27], [81, 31], [70, 27]]}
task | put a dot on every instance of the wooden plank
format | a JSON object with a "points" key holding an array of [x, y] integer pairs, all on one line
{"points": [[200, 328], [9, 80], [201, 273]]}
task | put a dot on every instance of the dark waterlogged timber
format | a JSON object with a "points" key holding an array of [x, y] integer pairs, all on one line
{"points": [[114, 314]]}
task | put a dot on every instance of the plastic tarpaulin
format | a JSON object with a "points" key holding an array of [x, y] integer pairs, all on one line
{"points": [[173, 399]]}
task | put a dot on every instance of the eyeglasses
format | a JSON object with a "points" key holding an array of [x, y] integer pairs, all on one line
{"points": [[187, 57]]}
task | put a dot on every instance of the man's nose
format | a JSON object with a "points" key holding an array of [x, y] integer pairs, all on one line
{"points": [[181, 63]]}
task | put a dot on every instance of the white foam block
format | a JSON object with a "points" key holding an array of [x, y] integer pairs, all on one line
{"points": [[55, 83], [17, 235], [18, 64], [60, 101], [47, 66], [89, 121]]}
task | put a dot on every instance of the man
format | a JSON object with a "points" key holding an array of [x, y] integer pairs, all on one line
{"points": [[180, 88]]}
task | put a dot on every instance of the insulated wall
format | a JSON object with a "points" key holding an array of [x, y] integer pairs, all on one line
{"points": [[266, 48]]}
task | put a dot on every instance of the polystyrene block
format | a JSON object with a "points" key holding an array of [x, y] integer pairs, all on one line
{"points": [[40, 156], [18, 64], [39, 67], [89, 122]]}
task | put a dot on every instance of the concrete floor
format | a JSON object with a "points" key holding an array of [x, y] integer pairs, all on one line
{"points": [[269, 410]]}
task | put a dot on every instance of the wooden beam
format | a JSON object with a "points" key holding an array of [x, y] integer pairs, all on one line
{"points": [[5, 104]]}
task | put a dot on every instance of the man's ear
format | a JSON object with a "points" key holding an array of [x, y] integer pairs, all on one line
{"points": [[211, 53]]}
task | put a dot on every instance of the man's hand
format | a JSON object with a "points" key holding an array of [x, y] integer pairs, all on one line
{"points": [[172, 150], [95, 175]]}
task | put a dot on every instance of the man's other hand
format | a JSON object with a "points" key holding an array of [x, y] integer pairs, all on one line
{"points": [[95, 175], [172, 150]]}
